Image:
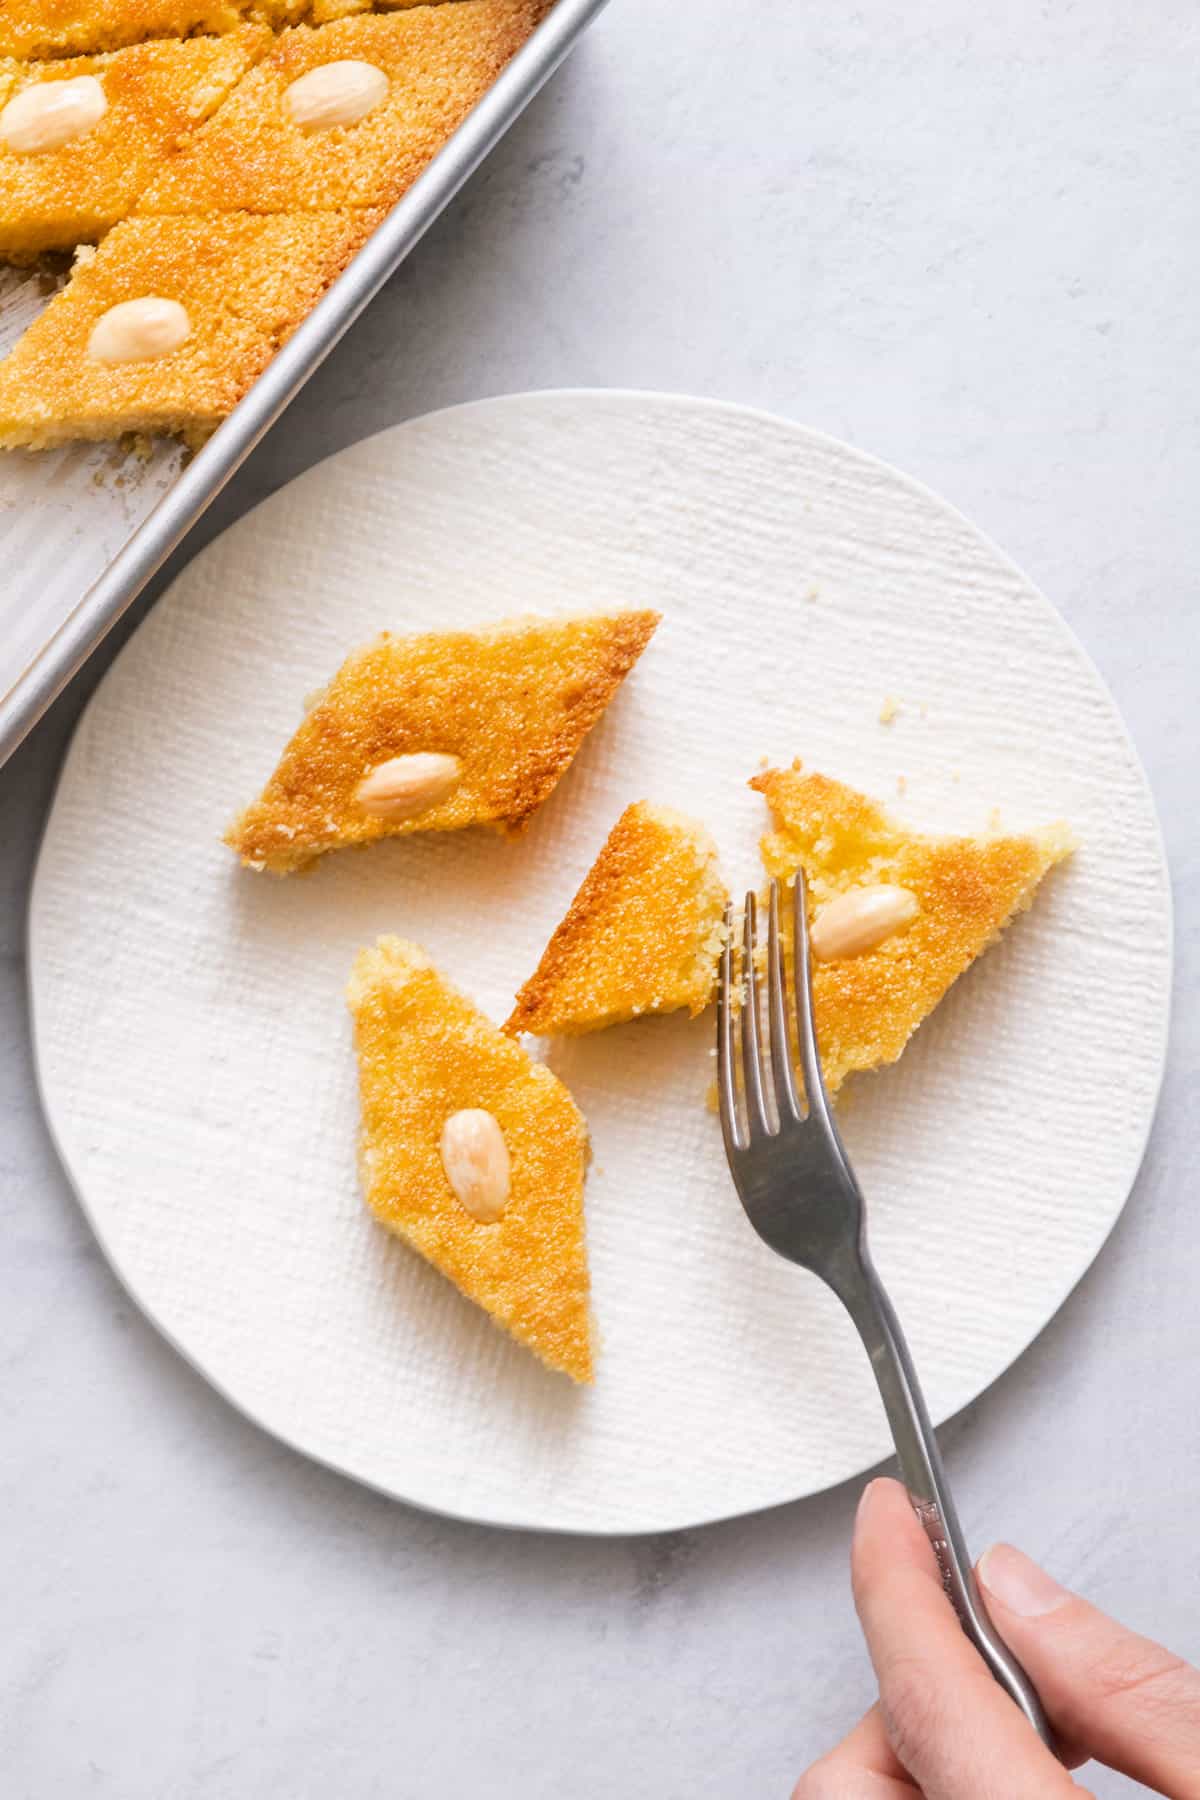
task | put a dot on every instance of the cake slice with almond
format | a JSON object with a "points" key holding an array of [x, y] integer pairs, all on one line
{"points": [[895, 917], [345, 114], [642, 935], [472, 1153], [81, 136], [440, 731], [164, 327]]}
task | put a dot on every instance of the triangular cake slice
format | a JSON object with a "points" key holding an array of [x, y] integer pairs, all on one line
{"points": [[962, 893], [642, 935], [436, 732], [472, 1153]]}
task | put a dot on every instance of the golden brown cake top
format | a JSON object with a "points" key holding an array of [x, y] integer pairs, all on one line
{"points": [[425, 1053], [512, 703], [152, 94], [244, 281], [868, 1006], [642, 935], [37, 28], [438, 61]]}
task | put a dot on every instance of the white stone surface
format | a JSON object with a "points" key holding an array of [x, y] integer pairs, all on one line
{"points": [[967, 243]]}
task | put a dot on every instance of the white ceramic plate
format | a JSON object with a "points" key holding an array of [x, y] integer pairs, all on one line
{"points": [[194, 1050]]}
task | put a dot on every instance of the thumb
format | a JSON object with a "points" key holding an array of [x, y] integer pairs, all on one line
{"points": [[1111, 1694]]}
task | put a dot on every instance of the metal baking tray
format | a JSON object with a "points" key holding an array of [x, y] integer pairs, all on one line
{"points": [[83, 529]]}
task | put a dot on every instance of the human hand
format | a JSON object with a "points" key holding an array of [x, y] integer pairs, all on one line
{"points": [[944, 1730]]}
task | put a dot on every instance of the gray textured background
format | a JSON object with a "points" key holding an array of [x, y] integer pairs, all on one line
{"points": [[969, 245]]}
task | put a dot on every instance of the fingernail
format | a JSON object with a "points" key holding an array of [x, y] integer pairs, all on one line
{"points": [[1018, 1583]]}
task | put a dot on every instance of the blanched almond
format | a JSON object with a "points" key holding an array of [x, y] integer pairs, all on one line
{"points": [[139, 330], [48, 114], [860, 919], [336, 93], [407, 785], [475, 1158]]}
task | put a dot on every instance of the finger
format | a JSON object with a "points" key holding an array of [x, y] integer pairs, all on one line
{"points": [[1118, 1696], [954, 1730], [862, 1767]]}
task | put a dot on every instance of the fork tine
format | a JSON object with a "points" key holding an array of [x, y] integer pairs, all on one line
{"points": [[726, 1081], [786, 1098], [810, 1059], [752, 1081]]}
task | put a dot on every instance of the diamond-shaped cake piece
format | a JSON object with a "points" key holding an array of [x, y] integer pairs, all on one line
{"points": [[965, 889], [472, 1153], [440, 731], [226, 292], [642, 935]]}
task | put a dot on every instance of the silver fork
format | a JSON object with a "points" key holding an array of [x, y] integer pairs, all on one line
{"points": [[799, 1192]]}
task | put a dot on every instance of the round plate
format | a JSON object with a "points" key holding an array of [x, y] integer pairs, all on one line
{"points": [[194, 1049]]}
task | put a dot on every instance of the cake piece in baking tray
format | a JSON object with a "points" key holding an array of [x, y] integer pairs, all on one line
{"points": [[345, 114], [80, 137], [164, 327], [437, 732], [472, 1153]]}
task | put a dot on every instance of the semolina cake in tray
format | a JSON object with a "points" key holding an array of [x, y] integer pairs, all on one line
{"points": [[320, 12], [409, 80], [69, 174], [229, 291], [236, 161], [38, 28]]}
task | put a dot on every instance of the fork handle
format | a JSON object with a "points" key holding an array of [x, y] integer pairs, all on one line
{"points": [[925, 1478]]}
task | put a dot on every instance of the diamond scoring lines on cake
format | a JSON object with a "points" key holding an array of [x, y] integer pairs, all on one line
{"points": [[434, 64], [897, 917], [132, 107], [642, 935], [439, 731], [472, 1153], [38, 28], [344, 113], [45, 28]]}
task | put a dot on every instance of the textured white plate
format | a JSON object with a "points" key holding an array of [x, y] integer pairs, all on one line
{"points": [[194, 1049]]}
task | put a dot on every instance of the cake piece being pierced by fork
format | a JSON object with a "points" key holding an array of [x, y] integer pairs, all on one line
{"points": [[472, 1153], [440, 731], [896, 917], [642, 935]]}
